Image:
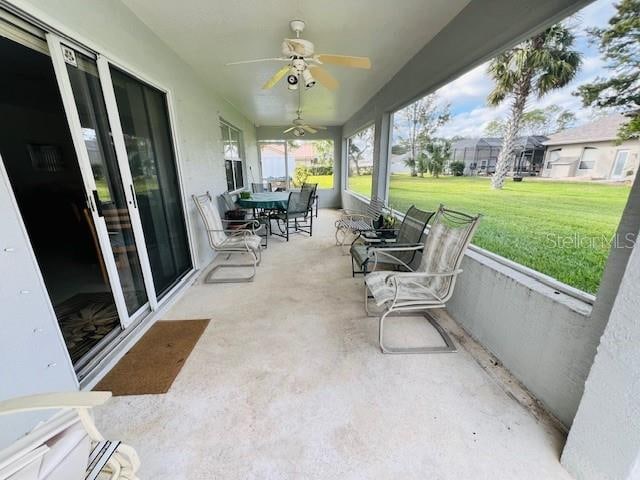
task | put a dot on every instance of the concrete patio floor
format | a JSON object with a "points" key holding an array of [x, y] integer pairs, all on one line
{"points": [[287, 382]]}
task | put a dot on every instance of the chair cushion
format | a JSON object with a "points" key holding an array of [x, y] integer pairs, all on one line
{"points": [[252, 241], [408, 291], [360, 253]]}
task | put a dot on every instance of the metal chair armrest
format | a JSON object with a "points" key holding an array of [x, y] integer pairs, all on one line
{"points": [[50, 401], [255, 223], [424, 274]]}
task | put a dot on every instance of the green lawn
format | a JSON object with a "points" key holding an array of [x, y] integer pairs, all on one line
{"points": [[562, 229], [323, 181]]}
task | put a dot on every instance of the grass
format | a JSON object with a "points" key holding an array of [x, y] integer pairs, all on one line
{"points": [[323, 181], [562, 229]]}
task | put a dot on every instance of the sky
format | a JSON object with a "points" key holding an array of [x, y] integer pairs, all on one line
{"points": [[467, 95]]}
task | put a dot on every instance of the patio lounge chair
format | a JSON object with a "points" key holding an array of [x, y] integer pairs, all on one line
{"points": [[428, 286], [242, 239], [352, 222], [72, 448], [408, 235], [298, 217]]}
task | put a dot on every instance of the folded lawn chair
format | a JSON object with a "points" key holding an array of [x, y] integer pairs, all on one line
{"points": [[352, 222], [242, 239], [408, 235], [428, 286]]}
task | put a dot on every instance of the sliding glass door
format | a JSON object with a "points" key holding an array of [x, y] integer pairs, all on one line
{"points": [[109, 195], [88, 150], [143, 113]]}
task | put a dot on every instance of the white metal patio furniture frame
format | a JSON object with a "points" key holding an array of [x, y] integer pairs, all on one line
{"points": [[353, 222], [115, 459], [430, 285], [242, 239]]}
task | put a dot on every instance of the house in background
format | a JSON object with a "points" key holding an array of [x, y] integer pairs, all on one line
{"points": [[480, 155], [592, 152]]}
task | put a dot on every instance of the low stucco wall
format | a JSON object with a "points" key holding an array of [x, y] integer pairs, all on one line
{"points": [[541, 336]]}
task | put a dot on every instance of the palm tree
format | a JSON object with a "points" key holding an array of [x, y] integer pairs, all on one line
{"points": [[537, 66]]}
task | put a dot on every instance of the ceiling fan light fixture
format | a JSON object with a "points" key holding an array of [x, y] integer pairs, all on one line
{"points": [[298, 132], [309, 81], [292, 80]]}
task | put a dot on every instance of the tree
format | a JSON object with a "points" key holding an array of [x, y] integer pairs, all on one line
{"points": [[359, 145], [416, 124], [438, 152], [543, 63], [495, 128], [323, 149], [539, 121], [619, 45]]}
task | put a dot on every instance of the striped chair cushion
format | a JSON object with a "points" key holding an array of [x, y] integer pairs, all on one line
{"points": [[385, 291], [253, 241]]}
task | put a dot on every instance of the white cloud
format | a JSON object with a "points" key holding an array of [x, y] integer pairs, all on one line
{"points": [[471, 89], [474, 84]]}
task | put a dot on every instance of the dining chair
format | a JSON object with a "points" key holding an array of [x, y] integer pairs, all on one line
{"points": [[298, 216], [261, 187]]}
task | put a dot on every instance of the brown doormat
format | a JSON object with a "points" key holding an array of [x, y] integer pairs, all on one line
{"points": [[154, 362]]}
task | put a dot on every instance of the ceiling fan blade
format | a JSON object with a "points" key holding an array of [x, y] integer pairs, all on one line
{"points": [[276, 77], [289, 129], [345, 60], [309, 129], [317, 128], [275, 59], [324, 77]]}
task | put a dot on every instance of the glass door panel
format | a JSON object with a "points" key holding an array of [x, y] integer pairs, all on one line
{"points": [[273, 159], [109, 195], [38, 153], [145, 124]]}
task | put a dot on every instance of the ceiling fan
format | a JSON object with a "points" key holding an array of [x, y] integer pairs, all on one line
{"points": [[303, 64], [300, 127]]}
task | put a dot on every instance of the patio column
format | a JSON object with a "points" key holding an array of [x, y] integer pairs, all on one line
{"points": [[380, 156], [604, 441]]}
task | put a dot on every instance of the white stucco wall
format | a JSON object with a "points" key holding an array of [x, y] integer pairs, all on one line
{"points": [[604, 441], [604, 163], [108, 27]]}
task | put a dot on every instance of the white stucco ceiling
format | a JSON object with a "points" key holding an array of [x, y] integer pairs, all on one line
{"points": [[209, 33]]}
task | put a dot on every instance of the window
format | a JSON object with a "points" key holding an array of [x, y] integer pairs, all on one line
{"points": [[556, 223], [311, 161], [233, 152], [553, 156], [588, 160], [360, 161], [288, 163]]}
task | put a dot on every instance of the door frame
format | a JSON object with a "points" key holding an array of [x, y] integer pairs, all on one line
{"points": [[75, 128], [23, 11], [615, 161]]}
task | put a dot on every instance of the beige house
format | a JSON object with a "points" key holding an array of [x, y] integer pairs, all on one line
{"points": [[591, 151]]}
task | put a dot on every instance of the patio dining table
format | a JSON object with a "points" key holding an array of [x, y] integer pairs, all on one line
{"points": [[266, 201]]}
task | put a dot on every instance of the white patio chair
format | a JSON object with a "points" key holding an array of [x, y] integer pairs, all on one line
{"points": [[70, 450], [242, 239], [431, 284], [354, 223]]}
